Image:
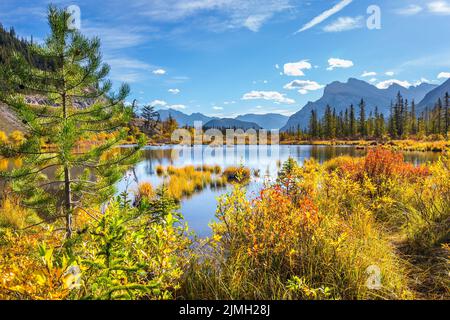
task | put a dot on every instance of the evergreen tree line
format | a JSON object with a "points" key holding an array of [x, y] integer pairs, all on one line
{"points": [[10, 44], [404, 121]]}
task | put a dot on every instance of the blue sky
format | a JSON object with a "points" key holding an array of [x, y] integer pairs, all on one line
{"points": [[229, 57]]}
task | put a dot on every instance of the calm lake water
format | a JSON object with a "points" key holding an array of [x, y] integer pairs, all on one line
{"points": [[199, 210]]}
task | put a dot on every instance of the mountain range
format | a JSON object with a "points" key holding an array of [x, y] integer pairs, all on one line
{"points": [[432, 97], [341, 95], [227, 123], [267, 121]]}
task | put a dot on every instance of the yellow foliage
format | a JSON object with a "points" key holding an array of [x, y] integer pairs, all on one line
{"points": [[16, 137], [3, 137]]}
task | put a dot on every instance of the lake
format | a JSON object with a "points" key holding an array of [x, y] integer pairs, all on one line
{"points": [[199, 210]]}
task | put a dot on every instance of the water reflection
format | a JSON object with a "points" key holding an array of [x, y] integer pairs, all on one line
{"points": [[199, 209]]}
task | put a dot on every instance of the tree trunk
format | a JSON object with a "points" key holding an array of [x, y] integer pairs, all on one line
{"points": [[67, 202]]}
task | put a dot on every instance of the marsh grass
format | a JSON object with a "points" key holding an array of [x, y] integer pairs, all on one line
{"points": [[239, 174], [185, 181], [318, 232]]}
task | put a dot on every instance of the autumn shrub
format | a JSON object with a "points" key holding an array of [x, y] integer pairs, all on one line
{"points": [[16, 137], [281, 246], [13, 215], [428, 212], [144, 191], [28, 270], [4, 163], [160, 170], [133, 253], [128, 252], [382, 164], [237, 174], [3, 138], [339, 162]]}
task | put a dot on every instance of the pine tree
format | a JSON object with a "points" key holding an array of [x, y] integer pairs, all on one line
{"points": [[150, 116], [78, 104], [352, 121], [328, 122], [438, 112], [314, 130], [362, 119], [447, 113], [413, 118]]}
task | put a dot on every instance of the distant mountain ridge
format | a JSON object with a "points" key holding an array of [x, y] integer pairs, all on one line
{"points": [[228, 123], [266, 121], [182, 118], [269, 121], [432, 97], [341, 95]]}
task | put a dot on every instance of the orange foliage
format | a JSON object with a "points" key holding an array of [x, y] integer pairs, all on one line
{"points": [[276, 222], [381, 164]]}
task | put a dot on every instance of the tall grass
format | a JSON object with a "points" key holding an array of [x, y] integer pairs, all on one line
{"points": [[323, 230]]}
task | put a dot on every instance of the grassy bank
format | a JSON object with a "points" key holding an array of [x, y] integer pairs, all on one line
{"points": [[352, 228]]}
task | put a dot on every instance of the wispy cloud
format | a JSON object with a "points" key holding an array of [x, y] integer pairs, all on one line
{"points": [[164, 104], [251, 14], [303, 86], [334, 63], [128, 70], [368, 74], [117, 37], [344, 24], [268, 95], [409, 10], [439, 7], [325, 15]]}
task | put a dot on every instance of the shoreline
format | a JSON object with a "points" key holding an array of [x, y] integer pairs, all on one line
{"points": [[442, 146]]}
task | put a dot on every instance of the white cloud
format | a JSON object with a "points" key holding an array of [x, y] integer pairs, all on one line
{"points": [[217, 108], [177, 106], [325, 15], [409, 10], [254, 23], [277, 66], [117, 37], [159, 72], [422, 80], [164, 104], [386, 84], [443, 75], [344, 24], [368, 74], [158, 103], [373, 80], [334, 63], [174, 91], [303, 86], [268, 95], [127, 69], [296, 68], [389, 73], [439, 7]]}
